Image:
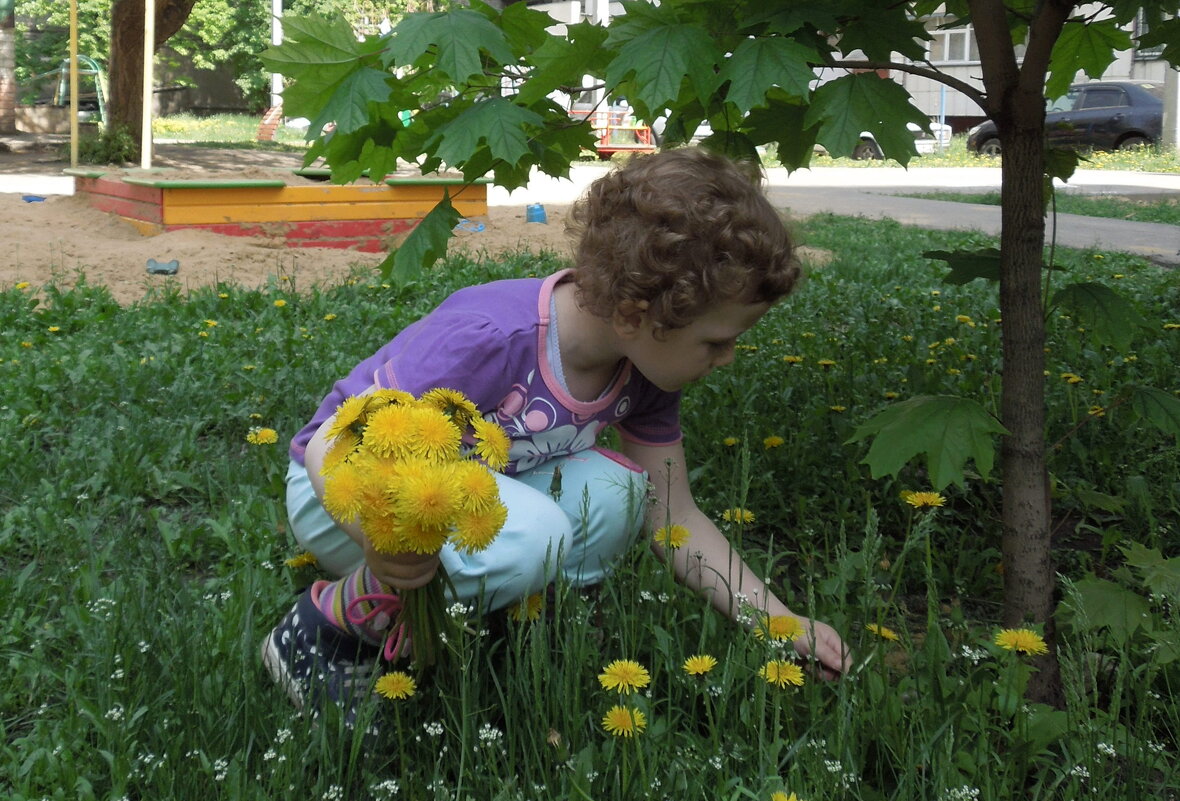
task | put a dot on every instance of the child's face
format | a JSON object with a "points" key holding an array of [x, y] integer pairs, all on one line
{"points": [[687, 354]]}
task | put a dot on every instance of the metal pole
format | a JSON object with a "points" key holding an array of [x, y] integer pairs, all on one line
{"points": [[276, 38], [74, 83], [1171, 132], [149, 48]]}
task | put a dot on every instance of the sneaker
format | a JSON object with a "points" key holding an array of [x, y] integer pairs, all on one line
{"points": [[316, 663]]}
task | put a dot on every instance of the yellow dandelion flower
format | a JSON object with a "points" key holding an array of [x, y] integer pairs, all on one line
{"points": [[737, 515], [396, 686], [890, 395], [780, 673], [1172, 326], [388, 431], [387, 397], [729, 442], [922, 500], [1071, 378], [348, 413], [262, 436], [304, 559], [22, 285], [421, 539], [699, 665], [781, 796], [882, 632], [673, 536], [475, 531], [203, 334], [793, 359], [1026, 641], [1096, 411], [433, 436], [344, 493], [383, 531], [476, 486], [962, 318], [453, 404], [280, 303], [624, 676], [53, 329], [838, 408], [779, 628], [772, 442], [426, 495], [623, 721], [907, 337], [338, 452], [491, 443], [826, 363], [528, 609], [329, 317]]}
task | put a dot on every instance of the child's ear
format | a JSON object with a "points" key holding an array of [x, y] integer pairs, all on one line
{"points": [[628, 317]]}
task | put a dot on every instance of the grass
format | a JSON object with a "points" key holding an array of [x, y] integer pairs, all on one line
{"points": [[143, 541], [240, 130], [1158, 210]]}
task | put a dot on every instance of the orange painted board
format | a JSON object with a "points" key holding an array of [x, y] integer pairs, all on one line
{"points": [[105, 186], [290, 212], [320, 193], [148, 212]]}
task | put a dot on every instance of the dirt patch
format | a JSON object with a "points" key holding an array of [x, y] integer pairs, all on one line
{"points": [[61, 238]]}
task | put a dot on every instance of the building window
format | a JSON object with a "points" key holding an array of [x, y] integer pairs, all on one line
{"points": [[1145, 53], [951, 43]]}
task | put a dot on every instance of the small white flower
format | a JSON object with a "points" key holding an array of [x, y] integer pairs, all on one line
{"points": [[114, 713], [1106, 749]]}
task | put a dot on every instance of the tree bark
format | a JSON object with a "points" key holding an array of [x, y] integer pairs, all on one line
{"points": [[8, 74], [125, 109], [1015, 100]]}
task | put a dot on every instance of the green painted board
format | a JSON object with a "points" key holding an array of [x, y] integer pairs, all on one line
{"points": [[176, 183]]}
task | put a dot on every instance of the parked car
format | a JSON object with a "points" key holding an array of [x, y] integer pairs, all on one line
{"points": [[1104, 115]]}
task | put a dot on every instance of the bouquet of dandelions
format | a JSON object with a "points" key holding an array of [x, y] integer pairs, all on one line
{"points": [[416, 474]]}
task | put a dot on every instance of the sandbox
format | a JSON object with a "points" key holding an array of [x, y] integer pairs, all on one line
{"points": [[299, 208]]}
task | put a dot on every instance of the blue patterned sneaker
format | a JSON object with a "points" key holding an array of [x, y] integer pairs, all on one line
{"points": [[316, 663]]}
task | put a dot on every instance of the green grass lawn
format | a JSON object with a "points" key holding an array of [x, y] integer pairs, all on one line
{"points": [[143, 552], [1159, 210]]}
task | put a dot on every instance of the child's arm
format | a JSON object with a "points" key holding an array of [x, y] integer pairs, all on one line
{"points": [[710, 565], [403, 571]]}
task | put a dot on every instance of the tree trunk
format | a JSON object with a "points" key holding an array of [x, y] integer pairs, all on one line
{"points": [[125, 109], [1015, 98], [1027, 509], [8, 74]]}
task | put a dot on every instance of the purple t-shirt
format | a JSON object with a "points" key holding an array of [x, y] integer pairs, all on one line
{"points": [[490, 342]]}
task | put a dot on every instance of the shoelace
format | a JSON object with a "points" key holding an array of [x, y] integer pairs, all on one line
{"points": [[398, 641]]}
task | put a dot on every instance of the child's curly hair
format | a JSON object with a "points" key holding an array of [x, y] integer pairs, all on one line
{"points": [[675, 233]]}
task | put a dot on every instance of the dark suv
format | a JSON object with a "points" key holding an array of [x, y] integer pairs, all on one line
{"points": [[1105, 115]]}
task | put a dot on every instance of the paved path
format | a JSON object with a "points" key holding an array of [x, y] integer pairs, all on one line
{"points": [[868, 191]]}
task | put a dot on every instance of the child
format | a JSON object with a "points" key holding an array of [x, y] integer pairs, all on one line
{"points": [[679, 253]]}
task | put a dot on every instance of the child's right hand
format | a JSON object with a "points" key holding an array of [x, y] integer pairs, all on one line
{"points": [[401, 571]]}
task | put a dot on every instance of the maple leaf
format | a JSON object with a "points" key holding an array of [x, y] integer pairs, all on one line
{"points": [[453, 39]]}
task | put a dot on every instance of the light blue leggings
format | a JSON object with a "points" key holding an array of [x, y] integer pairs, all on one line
{"points": [[595, 517]]}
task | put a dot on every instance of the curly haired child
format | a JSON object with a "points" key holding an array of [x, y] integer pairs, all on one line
{"points": [[678, 254]]}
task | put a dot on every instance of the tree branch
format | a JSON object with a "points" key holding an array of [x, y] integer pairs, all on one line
{"points": [[913, 69]]}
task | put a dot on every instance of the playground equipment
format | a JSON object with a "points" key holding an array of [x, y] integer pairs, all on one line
{"points": [[360, 217], [61, 93], [616, 131]]}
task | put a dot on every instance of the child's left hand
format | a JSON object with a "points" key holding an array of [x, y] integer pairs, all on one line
{"points": [[823, 646]]}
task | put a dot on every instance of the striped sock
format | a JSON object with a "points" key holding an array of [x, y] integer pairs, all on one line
{"points": [[333, 598]]}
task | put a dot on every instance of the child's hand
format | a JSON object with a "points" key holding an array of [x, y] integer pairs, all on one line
{"points": [[823, 645], [402, 571]]}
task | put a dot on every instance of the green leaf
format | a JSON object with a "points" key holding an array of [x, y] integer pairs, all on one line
{"points": [[1159, 575], [563, 61], [967, 265], [425, 245], [759, 64], [1166, 33], [781, 121], [498, 122], [880, 29], [865, 102], [1060, 163], [1098, 603], [1088, 45], [454, 39], [314, 44], [348, 105], [1108, 316], [948, 430], [1157, 408], [659, 60], [524, 28]]}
